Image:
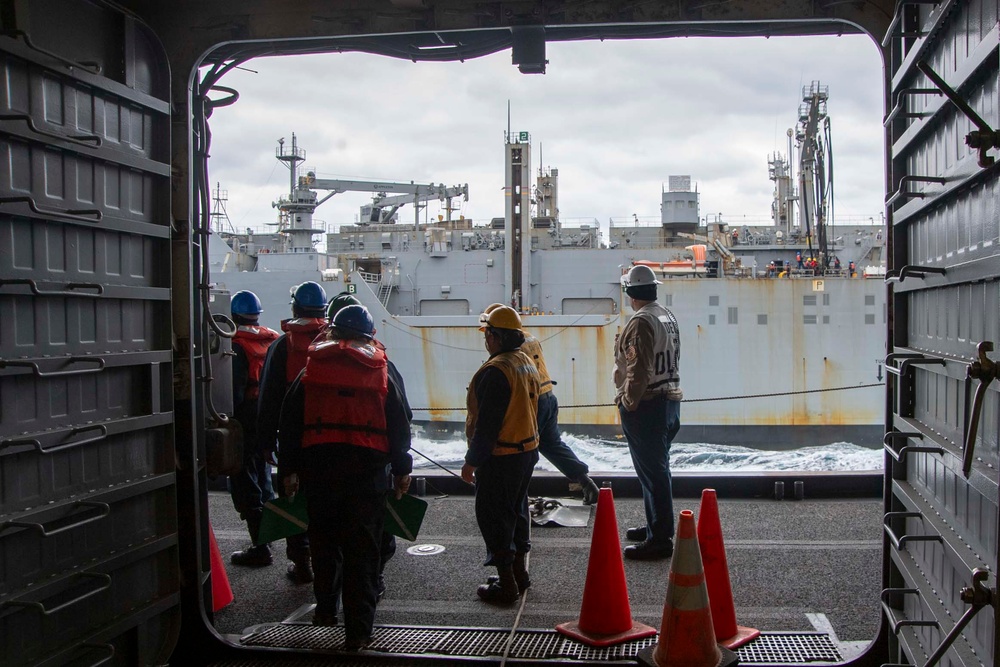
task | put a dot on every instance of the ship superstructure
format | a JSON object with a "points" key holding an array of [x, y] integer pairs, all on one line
{"points": [[762, 304]]}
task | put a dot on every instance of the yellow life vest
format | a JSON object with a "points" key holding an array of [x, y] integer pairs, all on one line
{"points": [[519, 432], [533, 349]]}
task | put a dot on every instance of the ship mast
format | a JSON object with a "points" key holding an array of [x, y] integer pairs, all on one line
{"points": [[517, 219], [813, 195], [219, 216], [297, 208]]}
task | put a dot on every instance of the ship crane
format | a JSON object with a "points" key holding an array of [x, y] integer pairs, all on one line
{"points": [[298, 206], [411, 193], [814, 158], [383, 208]]}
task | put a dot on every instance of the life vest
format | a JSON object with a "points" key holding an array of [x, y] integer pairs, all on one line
{"points": [[302, 331], [346, 383], [254, 341], [533, 348], [665, 363], [519, 432]]}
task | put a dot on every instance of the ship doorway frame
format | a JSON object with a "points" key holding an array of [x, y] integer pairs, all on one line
{"points": [[502, 39]]}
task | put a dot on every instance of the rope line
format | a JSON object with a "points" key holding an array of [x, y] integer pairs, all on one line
{"points": [[699, 400]]}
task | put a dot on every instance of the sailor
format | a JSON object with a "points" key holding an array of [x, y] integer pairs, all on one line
{"points": [[798, 258], [251, 487], [387, 548], [550, 444], [648, 395], [342, 421], [285, 359], [851, 269], [502, 428]]}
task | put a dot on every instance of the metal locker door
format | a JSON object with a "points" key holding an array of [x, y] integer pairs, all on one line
{"points": [[943, 406], [88, 513]]}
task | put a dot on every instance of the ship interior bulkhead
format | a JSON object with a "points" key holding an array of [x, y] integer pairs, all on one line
{"points": [[110, 437]]}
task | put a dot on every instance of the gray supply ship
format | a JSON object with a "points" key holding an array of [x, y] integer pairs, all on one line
{"points": [[783, 335]]}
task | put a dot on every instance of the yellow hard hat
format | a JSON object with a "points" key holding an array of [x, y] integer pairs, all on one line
{"points": [[502, 317], [489, 309]]}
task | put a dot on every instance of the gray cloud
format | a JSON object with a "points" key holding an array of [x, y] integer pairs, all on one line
{"points": [[616, 117]]}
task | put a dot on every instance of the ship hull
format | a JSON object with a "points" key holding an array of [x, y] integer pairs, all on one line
{"points": [[773, 363]]}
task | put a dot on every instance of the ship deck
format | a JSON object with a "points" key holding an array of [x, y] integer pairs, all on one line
{"points": [[804, 572]]}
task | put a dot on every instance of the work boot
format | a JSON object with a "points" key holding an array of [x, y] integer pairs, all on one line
{"points": [[520, 569], [324, 618], [300, 572], [590, 490], [637, 534], [521, 576], [650, 550], [258, 556], [503, 590]]}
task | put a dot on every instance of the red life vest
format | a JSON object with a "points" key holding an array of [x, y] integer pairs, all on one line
{"points": [[346, 382], [254, 341], [302, 331]]}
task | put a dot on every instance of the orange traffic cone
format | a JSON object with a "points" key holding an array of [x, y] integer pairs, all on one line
{"points": [[222, 594], [687, 638], [605, 615], [720, 592]]}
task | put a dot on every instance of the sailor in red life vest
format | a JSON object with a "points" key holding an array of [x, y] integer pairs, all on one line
{"points": [[251, 488], [285, 360], [342, 421], [502, 428], [388, 546]]}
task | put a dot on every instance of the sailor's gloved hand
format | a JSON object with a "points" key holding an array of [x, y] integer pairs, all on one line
{"points": [[401, 483], [468, 472], [291, 484]]}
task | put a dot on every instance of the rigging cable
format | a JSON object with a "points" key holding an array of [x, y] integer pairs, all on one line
{"points": [[700, 400]]}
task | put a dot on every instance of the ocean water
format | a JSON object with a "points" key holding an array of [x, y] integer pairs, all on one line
{"points": [[612, 456]]}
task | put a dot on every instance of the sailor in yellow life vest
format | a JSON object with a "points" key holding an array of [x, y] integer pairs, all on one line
{"points": [[550, 444], [503, 449]]}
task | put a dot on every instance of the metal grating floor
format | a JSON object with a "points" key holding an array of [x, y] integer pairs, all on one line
{"points": [[791, 648]]}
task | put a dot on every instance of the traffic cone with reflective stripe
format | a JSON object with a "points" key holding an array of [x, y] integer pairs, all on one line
{"points": [[605, 615], [222, 593], [687, 638], [720, 592]]}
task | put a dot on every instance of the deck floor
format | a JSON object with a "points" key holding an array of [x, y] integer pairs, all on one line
{"points": [[797, 566]]}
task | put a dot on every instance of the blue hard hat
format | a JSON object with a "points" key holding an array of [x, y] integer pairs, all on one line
{"points": [[245, 303], [309, 295], [356, 319]]}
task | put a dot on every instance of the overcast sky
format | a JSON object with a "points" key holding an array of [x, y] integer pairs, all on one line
{"points": [[616, 118]]}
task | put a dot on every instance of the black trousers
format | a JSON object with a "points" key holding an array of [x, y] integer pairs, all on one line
{"points": [[346, 510], [502, 505]]}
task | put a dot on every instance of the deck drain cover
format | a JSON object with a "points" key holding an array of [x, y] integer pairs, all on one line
{"points": [[461, 644], [425, 549]]}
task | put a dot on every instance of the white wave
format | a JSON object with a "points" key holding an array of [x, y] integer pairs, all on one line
{"points": [[613, 456]]}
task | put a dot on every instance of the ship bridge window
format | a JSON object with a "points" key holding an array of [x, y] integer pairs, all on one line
{"points": [[869, 318], [711, 319], [761, 318], [733, 315], [808, 319], [809, 300], [713, 301], [826, 299], [668, 300], [869, 299]]}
